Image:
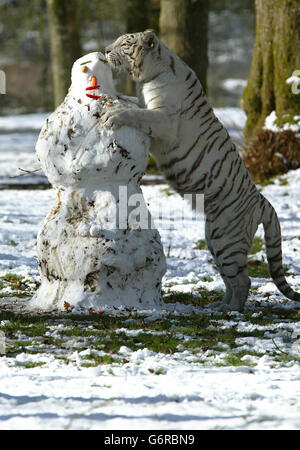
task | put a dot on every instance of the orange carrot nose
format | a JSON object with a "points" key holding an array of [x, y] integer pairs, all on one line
{"points": [[94, 81]]}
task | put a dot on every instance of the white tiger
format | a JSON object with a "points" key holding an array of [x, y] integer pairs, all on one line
{"points": [[197, 155]]}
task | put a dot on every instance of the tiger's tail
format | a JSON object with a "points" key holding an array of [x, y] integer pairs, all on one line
{"points": [[274, 251]]}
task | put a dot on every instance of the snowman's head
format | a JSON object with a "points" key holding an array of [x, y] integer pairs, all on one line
{"points": [[92, 76]]}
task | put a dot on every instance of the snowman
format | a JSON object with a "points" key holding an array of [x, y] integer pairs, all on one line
{"points": [[98, 248]]}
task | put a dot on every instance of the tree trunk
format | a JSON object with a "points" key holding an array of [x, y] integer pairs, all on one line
{"points": [[45, 85], [64, 27], [275, 57], [138, 19], [138, 15], [184, 29]]}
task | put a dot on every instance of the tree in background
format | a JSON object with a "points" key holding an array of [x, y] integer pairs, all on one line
{"points": [[138, 15], [40, 9], [64, 30], [25, 55], [184, 29], [276, 56], [138, 19]]}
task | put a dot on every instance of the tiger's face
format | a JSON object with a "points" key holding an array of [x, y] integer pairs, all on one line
{"points": [[131, 52]]}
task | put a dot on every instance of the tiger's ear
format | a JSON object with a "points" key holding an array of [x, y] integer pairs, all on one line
{"points": [[149, 38]]}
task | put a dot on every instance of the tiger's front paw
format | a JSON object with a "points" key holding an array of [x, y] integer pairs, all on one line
{"points": [[114, 118]]}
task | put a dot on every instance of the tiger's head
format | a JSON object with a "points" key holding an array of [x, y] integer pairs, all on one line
{"points": [[135, 53]]}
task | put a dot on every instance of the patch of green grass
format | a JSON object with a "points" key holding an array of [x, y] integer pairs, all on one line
{"points": [[278, 313], [207, 279], [113, 342], [258, 320], [22, 343], [31, 364], [36, 328], [159, 371], [203, 297], [258, 269], [162, 343], [271, 180], [18, 285], [11, 277], [266, 182], [235, 360], [159, 325], [285, 118], [62, 358], [181, 297], [13, 326], [207, 338], [212, 296], [94, 360], [201, 245], [194, 326], [286, 358], [257, 245], [242, 353], [152, 168], [203, 344], [283, 181], [15, 294], [202, 333], [78, 331]]}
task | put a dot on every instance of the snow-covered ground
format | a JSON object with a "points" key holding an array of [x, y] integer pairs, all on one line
{"points": [[191, 388]]}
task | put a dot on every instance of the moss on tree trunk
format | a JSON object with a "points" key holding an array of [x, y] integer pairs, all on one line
{"points": [[275, 57], [184, 29]]}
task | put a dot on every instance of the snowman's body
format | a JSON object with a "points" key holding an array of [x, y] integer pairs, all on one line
{"points": [[93, 251]]}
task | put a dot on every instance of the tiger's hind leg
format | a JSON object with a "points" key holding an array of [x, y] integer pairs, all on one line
{"points": [[230, 245], [228, 289], [231, 261], [240, 285], [228, 293]]}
